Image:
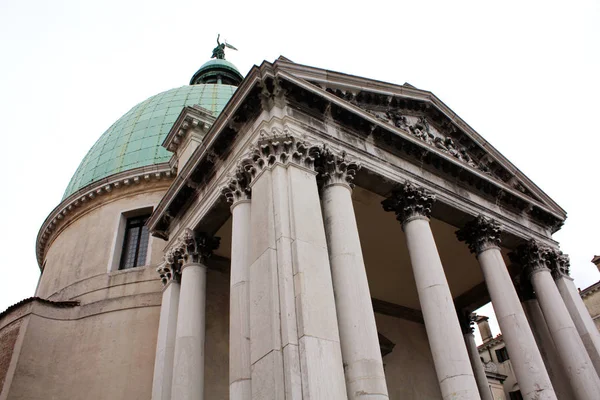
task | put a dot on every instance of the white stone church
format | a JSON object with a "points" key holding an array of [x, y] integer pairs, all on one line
{"points": [[295, 234]]}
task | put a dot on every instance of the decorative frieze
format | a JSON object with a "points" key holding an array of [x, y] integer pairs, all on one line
{"points": [[409, 202], [480, 234], [532, 256], [335, 168]]}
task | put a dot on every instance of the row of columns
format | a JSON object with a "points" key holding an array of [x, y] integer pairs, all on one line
{"points": [[179, 362], [301, 318]]}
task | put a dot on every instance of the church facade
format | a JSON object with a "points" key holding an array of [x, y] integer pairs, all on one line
{"points": [[295, 233]]}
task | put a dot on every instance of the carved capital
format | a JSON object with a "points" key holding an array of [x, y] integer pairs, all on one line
{"points": [[532, 256], [170, 269], [335, 168], [480, 234], [197, 247], [283, 149], [408, 202], [466, 320], [238, 187], [559, 264]]}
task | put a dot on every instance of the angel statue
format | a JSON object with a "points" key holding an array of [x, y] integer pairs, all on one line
{"points": [[219, 51]]}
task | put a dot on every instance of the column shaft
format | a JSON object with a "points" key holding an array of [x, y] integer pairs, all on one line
{"points": [[578, 366], [527, 361], [165, 343], [448, 348], [542, 336], [188, 368], [480, 378], [581, 318], [361, 354], [240, 387]]}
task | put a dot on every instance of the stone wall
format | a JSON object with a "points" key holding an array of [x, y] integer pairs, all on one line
{"points": [[409, 369], [84, 246], [592, 302], [8, 339]]}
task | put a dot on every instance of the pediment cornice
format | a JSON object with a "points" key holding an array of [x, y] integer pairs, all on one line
{"points": [[374, 111]]}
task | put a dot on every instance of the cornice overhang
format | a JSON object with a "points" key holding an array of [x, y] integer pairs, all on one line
{"points": [[306, 92], [194, 117], [324, 77], [90, 194], [244, 104], [590, 290]]}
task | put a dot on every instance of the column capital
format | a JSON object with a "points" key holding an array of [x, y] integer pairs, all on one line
{"points": [[559, 264], [283, 149], [197, 246], [408, 202], [170, 270], [480, 234], [532, 256], [237, 189], [466, 320], [335, 168]]}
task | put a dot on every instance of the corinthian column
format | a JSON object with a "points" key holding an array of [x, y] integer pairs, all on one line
{"points": [[363, 366], [167, 325], [576, 362], [188, 367], [412, 207], [483, 237], [590, 336], [238, 194]]}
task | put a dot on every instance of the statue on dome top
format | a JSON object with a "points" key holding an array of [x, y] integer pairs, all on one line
{"points": [[219, 51]]}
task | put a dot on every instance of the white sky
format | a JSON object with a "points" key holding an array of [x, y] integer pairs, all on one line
{"points": [[524, 74]]}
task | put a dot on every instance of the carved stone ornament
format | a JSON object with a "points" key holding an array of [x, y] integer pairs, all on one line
{"points": [[170, 269], [466, 320], [238, 187], [480, 234], [335, 168], [559, 263], [280, 148], [197, 247], [532, 256], [409, 201]]}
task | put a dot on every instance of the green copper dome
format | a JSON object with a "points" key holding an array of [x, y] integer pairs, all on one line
{"points": [[135, 139]]}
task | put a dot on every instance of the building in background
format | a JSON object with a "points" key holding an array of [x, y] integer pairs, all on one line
{"points": [[295, 233], [591, 296]]}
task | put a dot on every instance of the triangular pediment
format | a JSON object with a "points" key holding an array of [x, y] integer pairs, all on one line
{"points": [[408, 122], [419, 116]]}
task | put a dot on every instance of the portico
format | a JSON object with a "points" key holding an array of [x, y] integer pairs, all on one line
{"points": [[337, 204]]}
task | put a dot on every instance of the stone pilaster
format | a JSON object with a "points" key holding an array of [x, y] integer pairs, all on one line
{"points": [[295, 346], [188, 366], [238, 193], [412, 206], [559, 265], [363, 366], [574, 358], [482, 235]]}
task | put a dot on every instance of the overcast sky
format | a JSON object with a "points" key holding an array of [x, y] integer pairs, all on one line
{"points": [[524, 74]]}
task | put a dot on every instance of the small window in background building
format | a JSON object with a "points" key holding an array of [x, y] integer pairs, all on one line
{"points": [[502, 354], [135, 243], [515, 395]]}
